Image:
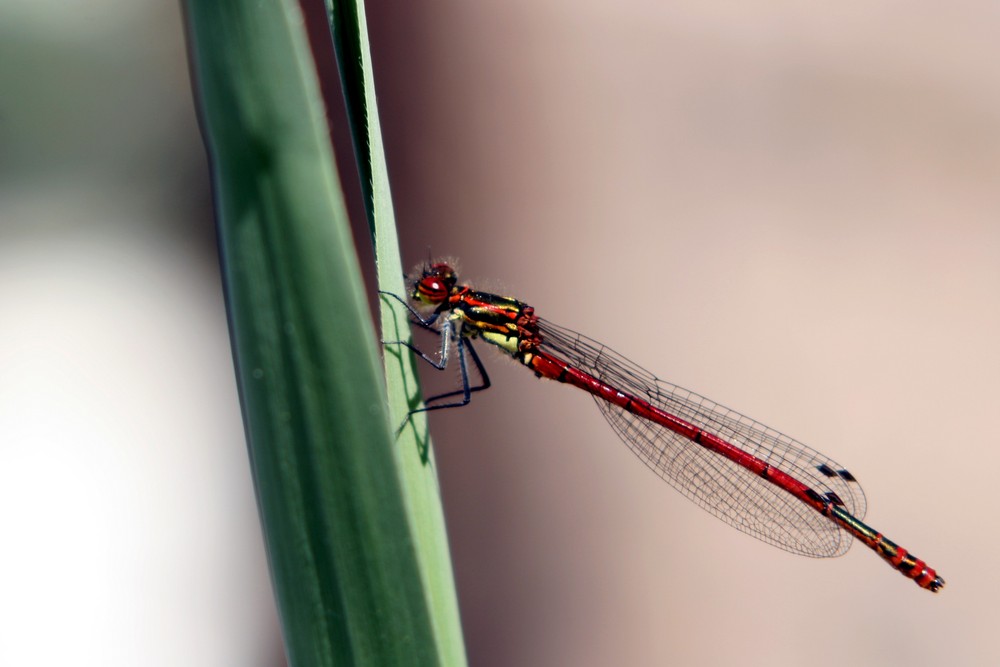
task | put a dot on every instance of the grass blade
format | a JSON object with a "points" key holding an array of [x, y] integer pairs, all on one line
{"points": [[339, 521], [414, 452]]}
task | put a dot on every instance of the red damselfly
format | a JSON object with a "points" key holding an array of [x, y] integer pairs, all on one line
{"points": [[752, 477]]}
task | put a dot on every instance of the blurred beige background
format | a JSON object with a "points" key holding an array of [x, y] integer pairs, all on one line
{"points": [[791, 210]]}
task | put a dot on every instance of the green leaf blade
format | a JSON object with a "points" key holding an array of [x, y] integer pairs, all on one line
{"points": [[352, 552]]}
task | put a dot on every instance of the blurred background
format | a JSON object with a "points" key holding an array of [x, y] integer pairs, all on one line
{"points": [[793, 211]]}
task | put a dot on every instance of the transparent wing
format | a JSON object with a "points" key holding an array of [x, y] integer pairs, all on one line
{"points": [[736, 495]]}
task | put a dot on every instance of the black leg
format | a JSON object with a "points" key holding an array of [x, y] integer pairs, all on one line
{"points": [[446, 336], [447, 333], [463, 345], [465, 391], [483, 375], [427, 323]]}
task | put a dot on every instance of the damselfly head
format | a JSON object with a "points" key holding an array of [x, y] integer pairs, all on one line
{"points": [[435, 285]]}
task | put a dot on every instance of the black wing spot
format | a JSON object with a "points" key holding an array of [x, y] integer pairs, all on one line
{"points": [[846, 476]]}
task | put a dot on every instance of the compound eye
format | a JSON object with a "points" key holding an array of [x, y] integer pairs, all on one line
{"points": [[431, 290]]}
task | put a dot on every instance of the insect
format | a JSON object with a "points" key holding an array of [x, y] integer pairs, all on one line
{"points": [[752, 477]]}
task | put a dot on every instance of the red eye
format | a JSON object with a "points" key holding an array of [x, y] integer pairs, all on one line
{"points": [[431, 290], [436, 285]]}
